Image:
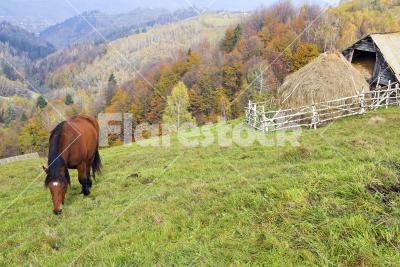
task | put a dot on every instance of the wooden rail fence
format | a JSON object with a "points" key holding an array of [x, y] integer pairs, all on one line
{"points": [[18, 158], [317, 114]]}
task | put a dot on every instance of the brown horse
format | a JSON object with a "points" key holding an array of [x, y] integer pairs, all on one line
{"points": [[72, 145]]}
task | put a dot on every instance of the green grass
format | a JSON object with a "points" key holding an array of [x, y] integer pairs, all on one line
{"points": [[201, 205]]}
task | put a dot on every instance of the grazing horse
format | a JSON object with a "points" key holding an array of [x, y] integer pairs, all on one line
{"points": [[73, 144]]}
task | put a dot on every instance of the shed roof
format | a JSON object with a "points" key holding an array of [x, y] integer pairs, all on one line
{"points": [[389, 45]]}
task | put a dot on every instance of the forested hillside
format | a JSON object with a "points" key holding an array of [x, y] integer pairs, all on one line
{"points": [[21, 49], [217, 57], [78, 30], [88, 68], [24, 42], [217, 77], [88, 74]]}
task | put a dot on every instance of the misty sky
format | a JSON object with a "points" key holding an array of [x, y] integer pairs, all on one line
{"points": [[60, 9]]}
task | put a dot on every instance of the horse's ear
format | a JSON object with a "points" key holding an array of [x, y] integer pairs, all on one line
{"points": [[45, 169]]}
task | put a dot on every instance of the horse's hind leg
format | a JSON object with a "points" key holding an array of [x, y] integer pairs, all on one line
{"points": [[84, 180], [88, 175]]}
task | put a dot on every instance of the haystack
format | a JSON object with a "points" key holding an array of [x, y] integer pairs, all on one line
{"points": [[328, 77]]}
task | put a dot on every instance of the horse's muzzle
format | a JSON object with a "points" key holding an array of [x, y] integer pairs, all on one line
{"points": [[57, 212]]}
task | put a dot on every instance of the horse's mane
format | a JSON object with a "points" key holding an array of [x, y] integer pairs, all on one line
{"points": [[55, 161]]}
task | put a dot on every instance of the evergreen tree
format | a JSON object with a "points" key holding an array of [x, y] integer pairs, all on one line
{"points": [[41, 102], [24, 118], [236, 36], [9, 72], [11, 114], [68, 100], [2, 115], [231, 39], [111, 88]]}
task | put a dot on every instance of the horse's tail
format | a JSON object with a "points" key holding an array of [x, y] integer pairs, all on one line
{"points": [[96, 165]]}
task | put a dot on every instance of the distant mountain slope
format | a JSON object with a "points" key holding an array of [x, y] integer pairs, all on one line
{"points": [[17, 102], [24, 41], [78, 30], [79, 54], [21, 49], [141, 50], [10, 88]]}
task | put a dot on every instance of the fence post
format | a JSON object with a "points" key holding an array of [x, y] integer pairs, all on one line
{"points": [[248, 113], [264, 120], [378, 97], [361, 98], [315, 117], [374, 99], [397, 94], [255, 115], [18, 158], [388, 94]]}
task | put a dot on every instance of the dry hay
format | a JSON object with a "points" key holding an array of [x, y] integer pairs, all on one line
{"points": [[328, 77], [365, 66]]}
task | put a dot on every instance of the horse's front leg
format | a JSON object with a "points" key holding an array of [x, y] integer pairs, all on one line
{"points": [[84, 180]]}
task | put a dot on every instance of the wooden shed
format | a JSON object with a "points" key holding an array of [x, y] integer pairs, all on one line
{"points": [[377, 57]]}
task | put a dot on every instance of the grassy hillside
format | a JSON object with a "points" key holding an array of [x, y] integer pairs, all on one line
{"points": [[201, 205]]}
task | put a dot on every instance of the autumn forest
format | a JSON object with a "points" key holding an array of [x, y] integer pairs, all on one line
{"points": [[217, 61]]}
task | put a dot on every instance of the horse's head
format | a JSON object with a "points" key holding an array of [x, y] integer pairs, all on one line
{"points": [[58, 187]]}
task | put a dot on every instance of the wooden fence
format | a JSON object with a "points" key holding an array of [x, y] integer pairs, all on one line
{"points": [[18, 158], [317, 114]]}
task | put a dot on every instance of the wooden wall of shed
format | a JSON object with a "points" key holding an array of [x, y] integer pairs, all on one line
{"points": [[382, 72]]}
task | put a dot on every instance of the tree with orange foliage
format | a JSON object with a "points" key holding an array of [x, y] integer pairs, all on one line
{"points": [[120, 102], [304, 54]]}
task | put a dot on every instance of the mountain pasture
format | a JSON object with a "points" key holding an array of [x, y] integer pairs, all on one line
{"points": [[201, 205]]}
